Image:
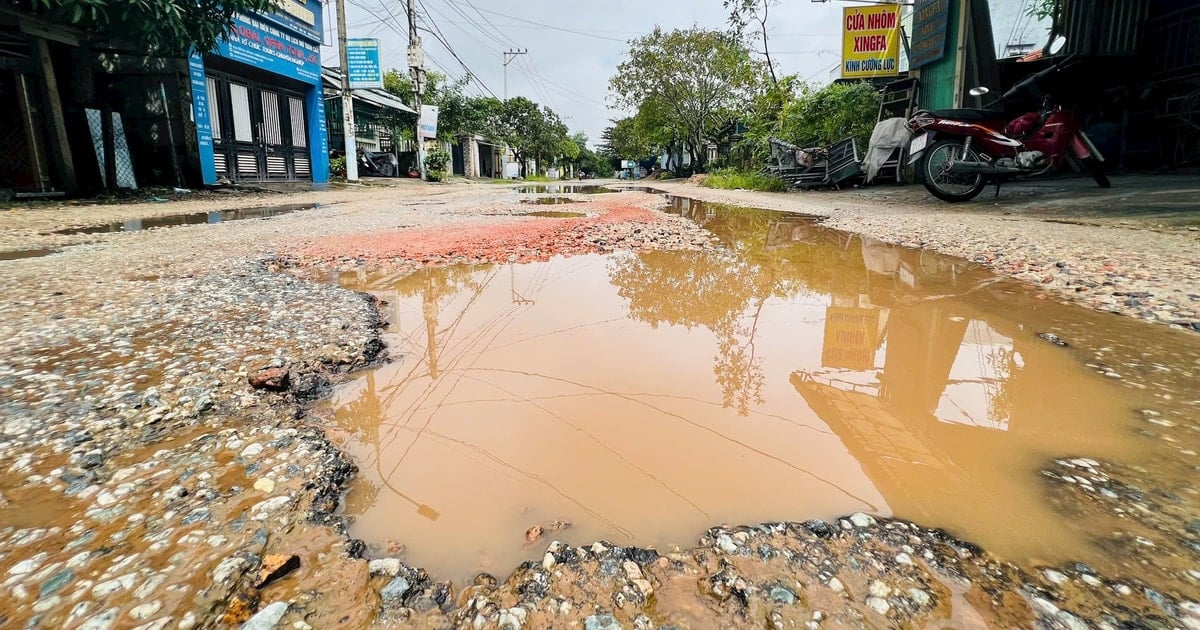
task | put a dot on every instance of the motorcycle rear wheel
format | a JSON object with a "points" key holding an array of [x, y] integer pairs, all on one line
{"points": [[947, 186], [1096, 169]]}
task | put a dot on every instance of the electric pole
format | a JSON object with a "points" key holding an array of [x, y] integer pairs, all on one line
{"points": [[416, 65], [509, 55], [348, 127]]}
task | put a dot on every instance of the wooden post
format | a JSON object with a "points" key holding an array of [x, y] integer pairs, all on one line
{"points": [[62, 146]]}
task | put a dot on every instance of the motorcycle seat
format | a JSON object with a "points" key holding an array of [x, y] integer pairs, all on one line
{"points": [[967, 114]]}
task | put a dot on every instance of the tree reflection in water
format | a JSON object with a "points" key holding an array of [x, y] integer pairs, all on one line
{"points": [[725, 291]]}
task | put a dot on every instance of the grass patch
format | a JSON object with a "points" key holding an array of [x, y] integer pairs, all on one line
{"points": [[730, 178]]}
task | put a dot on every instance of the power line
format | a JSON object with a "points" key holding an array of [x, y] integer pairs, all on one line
{"points": [[550, 26], [437, 33]]}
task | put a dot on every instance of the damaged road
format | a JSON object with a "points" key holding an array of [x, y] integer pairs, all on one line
{"points": [[163, 467]]}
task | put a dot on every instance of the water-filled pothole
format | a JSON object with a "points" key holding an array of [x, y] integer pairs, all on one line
{"points": [[18, 254], [193, 218], [798, 372], [580, 189], [554, 214], [550, 201]]}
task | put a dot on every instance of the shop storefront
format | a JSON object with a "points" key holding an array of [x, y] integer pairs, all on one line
{"points": [[257, 99]]}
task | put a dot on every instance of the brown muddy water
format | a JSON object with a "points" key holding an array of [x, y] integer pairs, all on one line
{"points": [[194, 218], [550, 201], [555, 189], [799, 372]]}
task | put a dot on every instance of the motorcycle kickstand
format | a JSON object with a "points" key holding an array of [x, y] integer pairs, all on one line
{"points": [[996, 195]]}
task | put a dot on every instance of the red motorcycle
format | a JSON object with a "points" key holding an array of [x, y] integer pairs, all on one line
{"points": [[959, 151]]}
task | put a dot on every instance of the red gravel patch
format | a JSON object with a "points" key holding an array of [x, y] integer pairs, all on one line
{"points": [[525, 239]]}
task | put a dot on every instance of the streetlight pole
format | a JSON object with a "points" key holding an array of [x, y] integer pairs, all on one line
{"points": [[509, 55], [348, 126]]}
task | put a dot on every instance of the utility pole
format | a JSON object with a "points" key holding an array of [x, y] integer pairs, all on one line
{"points": [[416, 65], [348, 126], [509, 55]]}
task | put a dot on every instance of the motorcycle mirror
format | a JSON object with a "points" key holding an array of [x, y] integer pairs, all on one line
{"points": [[979, 91], [1057, 44]]}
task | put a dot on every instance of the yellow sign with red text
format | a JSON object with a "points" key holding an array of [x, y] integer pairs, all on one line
{"points": [[870, 41]]}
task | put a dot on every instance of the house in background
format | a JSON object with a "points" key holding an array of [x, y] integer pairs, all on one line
{"points": [[257, 100], [377, 116]]}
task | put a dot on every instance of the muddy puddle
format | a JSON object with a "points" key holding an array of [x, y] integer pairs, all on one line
{"points": [[554, 214], [555, 189], [799, 372], [18, 254], [550, 201], [195, 218]]}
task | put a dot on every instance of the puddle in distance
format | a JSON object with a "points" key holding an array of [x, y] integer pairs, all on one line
{"points": [[27, 253], [195, 218], [554, 214], [554, 189], [805, 373], [550, 201]]}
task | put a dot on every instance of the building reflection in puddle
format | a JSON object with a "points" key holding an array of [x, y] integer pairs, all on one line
{"points": [[798, 372]]}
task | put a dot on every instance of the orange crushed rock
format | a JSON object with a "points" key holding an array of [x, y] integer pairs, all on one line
{"points": [[524, 240]]}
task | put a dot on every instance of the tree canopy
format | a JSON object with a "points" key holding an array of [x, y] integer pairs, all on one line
{"points": [[685, 83], [162, 27]]}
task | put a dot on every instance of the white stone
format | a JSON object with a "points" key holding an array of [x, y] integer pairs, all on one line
{"points": [[28, 565], [384, 566], [1055, 576], [878, 589], [266, 618], [861, 520], [227, 568], [145, 611], [879, 605], [919, 596], [726, 543], [836, 585], [265, 485], [904, 558], [252, 449]]}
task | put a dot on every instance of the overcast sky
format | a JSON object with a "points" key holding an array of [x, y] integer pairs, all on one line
{"points": [[574, 47]]}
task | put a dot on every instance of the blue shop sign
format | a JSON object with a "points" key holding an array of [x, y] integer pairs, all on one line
{"points": [[931, 19], [257, 43], [302, 16]]}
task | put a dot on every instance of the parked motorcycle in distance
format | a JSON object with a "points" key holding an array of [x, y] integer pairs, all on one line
{"points": [[383, 164], [958, 152]]}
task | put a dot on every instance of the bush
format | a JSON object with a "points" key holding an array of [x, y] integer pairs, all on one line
{"points": [[337, 166], [435, 164], [729, 178]]}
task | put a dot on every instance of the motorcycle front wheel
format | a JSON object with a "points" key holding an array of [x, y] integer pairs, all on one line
{"points": [[940, 182]]}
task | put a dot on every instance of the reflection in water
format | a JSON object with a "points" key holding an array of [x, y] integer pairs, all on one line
{"points": [[798, 372]]}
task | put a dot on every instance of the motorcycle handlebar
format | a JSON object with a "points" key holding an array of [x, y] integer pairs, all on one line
{"points": [[1033, 79]]}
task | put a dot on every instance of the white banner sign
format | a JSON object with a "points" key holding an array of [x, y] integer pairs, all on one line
{"points": [[427, 126]]}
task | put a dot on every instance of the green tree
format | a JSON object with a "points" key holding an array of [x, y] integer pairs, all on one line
{"points": [[834, 112], [458, 113], [161, 27], [529, 130], [742, 12], [692, 80]]}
